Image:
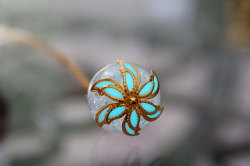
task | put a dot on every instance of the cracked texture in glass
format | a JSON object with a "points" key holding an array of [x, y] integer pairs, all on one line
{"points": [[96, 101]]}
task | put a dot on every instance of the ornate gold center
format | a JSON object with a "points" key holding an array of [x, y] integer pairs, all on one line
{"points": [[132, 100]]}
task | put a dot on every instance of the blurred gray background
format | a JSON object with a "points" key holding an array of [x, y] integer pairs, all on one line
{"points": [[198, 48]]}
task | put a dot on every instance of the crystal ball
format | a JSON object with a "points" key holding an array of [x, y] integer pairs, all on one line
{"points": [[124, 97]]}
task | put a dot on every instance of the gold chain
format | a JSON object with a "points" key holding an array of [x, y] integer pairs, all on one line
{"points": [[22, 37]]}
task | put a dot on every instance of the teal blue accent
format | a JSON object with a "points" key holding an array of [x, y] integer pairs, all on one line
{"points": [[102, 114], [148, 107], [147, 88], [129, 130], [128, 66], [156, 84], [101, 84], [158, 163], [155, 115], [134, 118], [129, 81], [114, 92], [131, 159], [116, 112]]}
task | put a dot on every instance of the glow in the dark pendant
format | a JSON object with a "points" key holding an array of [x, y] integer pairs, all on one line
{"points": [[124, 97]]}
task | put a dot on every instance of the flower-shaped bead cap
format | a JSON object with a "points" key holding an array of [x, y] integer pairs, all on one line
{"points": [[124, 97]]}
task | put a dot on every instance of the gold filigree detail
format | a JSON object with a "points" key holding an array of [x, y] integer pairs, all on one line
{"points": [[128, 99]]}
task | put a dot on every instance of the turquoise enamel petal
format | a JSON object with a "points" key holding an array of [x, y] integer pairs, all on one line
{"points": [[129, 130], [129, 67], [103, 83], [102, 114], [134, 118], [129, 81], [155, 115], [147, 88], [156, 84], [116, 112], [114, 92], [148, 107]]}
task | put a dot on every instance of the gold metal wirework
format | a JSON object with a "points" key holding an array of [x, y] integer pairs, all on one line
{"points": [[131, 100]]}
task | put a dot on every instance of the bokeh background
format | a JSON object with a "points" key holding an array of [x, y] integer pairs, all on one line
{"points": [[198, 48]]}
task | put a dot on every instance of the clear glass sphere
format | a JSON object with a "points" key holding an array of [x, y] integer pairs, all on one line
{"points": [[96, 101]]}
